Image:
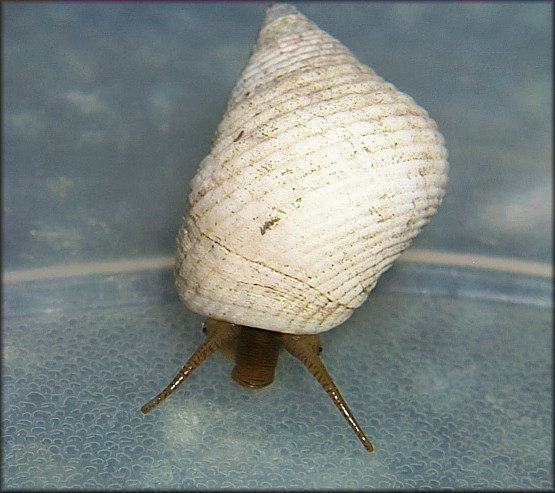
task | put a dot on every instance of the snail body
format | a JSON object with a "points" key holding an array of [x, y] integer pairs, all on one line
{"points": [[320, 174]]}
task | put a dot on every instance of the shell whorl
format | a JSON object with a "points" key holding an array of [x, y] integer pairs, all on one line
{"points": [[319, 175]]}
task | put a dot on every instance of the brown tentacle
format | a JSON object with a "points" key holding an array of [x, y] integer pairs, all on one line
{"points": [[217, 334], [306, 348]]}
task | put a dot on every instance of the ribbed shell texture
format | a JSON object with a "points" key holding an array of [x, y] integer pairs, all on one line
{"points": [[320, 174]]}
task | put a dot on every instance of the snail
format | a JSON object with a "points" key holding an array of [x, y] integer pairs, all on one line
{"points": [[319, 175]]}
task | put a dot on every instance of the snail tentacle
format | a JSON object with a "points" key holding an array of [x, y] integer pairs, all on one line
{"points": [[306, 349], [214, 340]]}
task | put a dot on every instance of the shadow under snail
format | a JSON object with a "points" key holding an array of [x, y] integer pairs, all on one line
{"points": [[319, 175]]}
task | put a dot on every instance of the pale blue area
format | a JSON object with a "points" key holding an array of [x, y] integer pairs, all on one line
{"points": [[107, 110], [454, 392]]}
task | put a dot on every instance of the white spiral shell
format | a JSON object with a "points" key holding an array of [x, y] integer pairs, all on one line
{"points": [[320, 174]]}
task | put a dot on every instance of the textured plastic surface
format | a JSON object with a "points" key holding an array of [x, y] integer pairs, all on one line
{"points": [[453, 392]]}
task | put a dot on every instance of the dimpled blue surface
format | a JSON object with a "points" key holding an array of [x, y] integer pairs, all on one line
{"points": [[453, 392]]}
